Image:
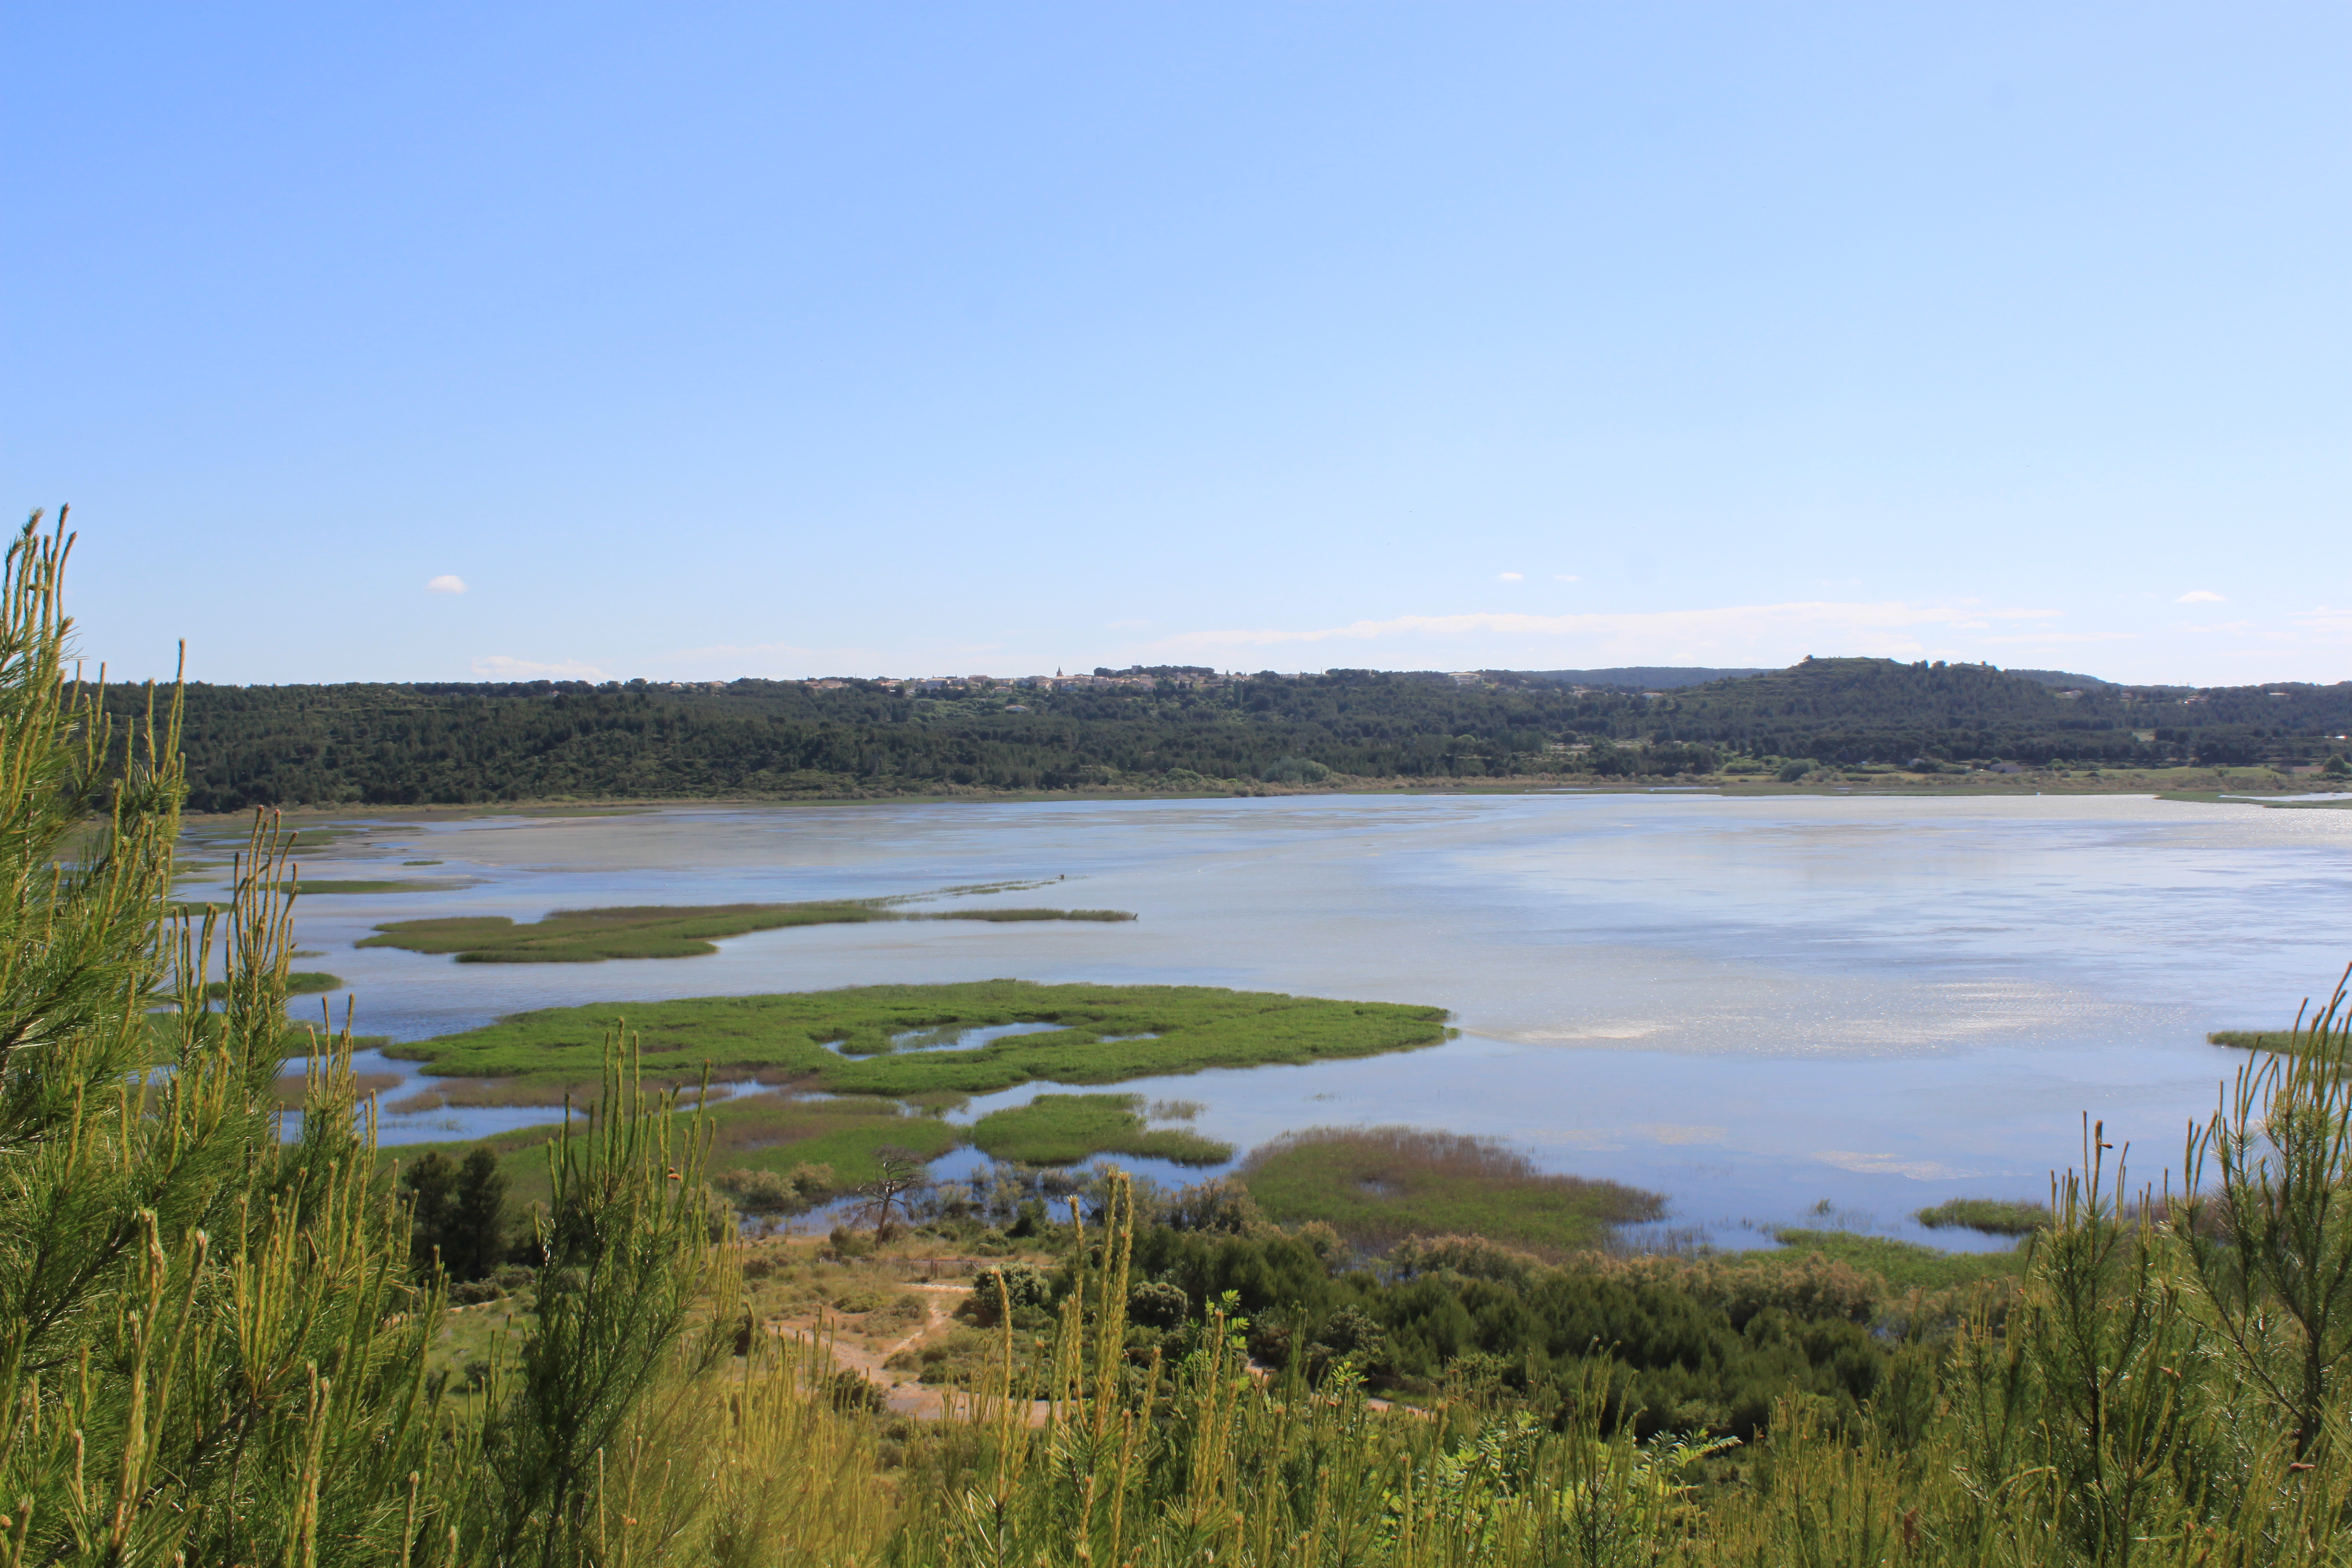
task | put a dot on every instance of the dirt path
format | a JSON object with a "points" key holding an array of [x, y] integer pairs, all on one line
{"points": [[901, 1393]]}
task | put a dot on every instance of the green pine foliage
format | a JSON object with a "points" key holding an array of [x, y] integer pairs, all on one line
{"points": [[213, 1343], [457, 1216]]}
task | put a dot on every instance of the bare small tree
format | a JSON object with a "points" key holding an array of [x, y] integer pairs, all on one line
{"points": [[903, 1174]]}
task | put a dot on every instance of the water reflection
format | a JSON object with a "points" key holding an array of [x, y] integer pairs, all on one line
{"points": [[1755, 1006]]}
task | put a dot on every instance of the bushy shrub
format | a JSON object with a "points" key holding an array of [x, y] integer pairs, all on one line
{"points": [[1293, 771], [1155, 1304], [1023, 1287], [1223, 1207]]}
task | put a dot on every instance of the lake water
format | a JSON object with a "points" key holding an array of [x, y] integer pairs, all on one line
{"points": [[1756, 1006]]}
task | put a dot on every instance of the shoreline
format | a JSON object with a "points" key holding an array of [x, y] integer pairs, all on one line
{"points": [[2199, 785]]}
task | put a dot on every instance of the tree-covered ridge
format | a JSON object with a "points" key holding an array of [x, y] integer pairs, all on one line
{"points": [[454, 744]]}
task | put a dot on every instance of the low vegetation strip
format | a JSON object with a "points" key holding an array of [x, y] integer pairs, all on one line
{"points": [[301, 983], [1904, 1265], [657, 931], [847, 1041], [1064, 1128], [1380, 1184], [2259, 1039], [1993, 1216]]}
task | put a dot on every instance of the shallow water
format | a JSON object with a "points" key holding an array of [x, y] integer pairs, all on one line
{"points": [[1753, 1005], [953, 1039]]}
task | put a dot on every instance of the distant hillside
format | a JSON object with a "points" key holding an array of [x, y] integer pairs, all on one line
{"points": [[1880, 710], [2058, 678], [1635, 677], [459, 743]]}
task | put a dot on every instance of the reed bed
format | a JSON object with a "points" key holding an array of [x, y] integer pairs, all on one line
{"points": [[1378, 1184]]}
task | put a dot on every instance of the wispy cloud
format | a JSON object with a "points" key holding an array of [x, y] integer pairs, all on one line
{"points": [[448, 583], [1566, 578], [2050, 637], [499, 666], [1510, 576], [753, 652], [2329, 623], [2200, 597], [1834, 626], [1890, 1165]]}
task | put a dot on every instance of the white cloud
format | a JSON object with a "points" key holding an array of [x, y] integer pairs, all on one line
{"points": [[1827, 627], [2046, 638], [448, 583], [499, 666], [1566, 578], [738, 653], [1510, 576], [2200, 596], [1890, 1165]]}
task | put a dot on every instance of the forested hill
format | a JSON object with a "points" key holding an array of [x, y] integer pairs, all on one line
{"points": [[416, 744]]}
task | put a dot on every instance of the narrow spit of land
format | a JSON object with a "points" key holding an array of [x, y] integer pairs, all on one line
{"points": [[662, 931]]}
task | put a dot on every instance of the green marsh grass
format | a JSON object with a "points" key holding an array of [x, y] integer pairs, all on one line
{"points": [[774, 1132], [819, 1036], [2253, 1039], [1903, 1264], [1064, 1128], [1992, 1216], [1380, 1184], [652, 930], [300, 983], [293, 1089]]}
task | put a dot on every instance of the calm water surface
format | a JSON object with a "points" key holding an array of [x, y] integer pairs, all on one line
{"points": [[1755, 1007]]}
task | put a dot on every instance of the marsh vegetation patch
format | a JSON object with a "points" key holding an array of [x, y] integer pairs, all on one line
{"points": [[1064, 1128], [841, 1041], [1380, 1184], [1990, 1217]]}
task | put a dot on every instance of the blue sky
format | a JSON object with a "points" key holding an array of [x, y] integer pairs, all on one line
{"points": [[698, 340]]}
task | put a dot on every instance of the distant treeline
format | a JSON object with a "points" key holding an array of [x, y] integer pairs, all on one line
{"points": [[435, 743]]}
